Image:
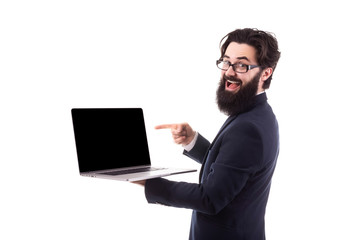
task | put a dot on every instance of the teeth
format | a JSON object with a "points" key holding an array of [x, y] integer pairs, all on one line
{"points": [[233, 82]]}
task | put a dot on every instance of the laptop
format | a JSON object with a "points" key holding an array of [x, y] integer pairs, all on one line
{"points": [[111, 143]]}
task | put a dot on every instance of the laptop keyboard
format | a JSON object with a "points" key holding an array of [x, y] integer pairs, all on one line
{"points": [[137, 170]]}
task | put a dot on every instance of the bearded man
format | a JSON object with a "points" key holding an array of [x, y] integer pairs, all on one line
{"points": [[230, 199]]}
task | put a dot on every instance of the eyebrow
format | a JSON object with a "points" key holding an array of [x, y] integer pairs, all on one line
{"points": [[239, 58]]}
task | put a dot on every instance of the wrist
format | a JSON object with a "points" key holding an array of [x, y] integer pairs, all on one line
{"points": [[191, 144]]}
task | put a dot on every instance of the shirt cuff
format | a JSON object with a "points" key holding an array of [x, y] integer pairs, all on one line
{"points": [[191, 144]]}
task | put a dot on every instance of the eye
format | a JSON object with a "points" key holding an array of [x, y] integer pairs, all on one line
{"points": [[240, 67], [226, 63]]}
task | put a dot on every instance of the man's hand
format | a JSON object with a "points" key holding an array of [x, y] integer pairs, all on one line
{"points": [[141, 182], [182, 133]]}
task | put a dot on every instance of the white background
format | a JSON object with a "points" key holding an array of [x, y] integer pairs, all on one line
{"points": [[160, 55]]}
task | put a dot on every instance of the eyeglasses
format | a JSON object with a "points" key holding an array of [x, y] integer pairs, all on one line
{"points": [[237, 67]]}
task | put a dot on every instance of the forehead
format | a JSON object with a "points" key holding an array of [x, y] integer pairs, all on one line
{"points": [[240, 50]]}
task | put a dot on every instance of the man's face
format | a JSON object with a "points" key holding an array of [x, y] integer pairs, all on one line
{"points": [[240, 53], [237, 91]]}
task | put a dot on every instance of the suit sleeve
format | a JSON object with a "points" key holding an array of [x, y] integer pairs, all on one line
{"points": [[199, 150], [238, 157]]}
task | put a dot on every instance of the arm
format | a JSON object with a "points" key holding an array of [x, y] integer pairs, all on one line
{"points": [[238, 157], [199, 150]]}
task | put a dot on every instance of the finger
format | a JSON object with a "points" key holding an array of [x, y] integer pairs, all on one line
{"points": [[166, 126], [177, 136], [180, 140]]}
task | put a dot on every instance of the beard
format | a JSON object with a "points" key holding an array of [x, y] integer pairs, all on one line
{"points": [[234, 103]]}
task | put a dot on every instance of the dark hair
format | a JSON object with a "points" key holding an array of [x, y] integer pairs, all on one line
{"points": [[265, 43]]}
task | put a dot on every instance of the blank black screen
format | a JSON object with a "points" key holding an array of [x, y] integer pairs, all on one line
{"points": [[109, 138]]}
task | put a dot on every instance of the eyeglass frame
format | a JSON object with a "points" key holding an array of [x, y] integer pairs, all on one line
{"points": [[248, 67]]}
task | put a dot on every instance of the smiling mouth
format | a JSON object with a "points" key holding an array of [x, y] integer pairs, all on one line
{"points": [[232, 85]]}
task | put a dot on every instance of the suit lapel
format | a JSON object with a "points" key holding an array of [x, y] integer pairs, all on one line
{"points": [[227, 122]]}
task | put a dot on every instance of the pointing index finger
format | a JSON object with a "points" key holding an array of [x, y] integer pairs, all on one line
{"points": [[166, 126]]}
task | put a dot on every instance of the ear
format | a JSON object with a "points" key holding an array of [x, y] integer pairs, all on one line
{"points": [[266, 74]]}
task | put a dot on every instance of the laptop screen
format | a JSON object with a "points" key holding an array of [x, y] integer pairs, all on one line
{"points": [[108, 138]]}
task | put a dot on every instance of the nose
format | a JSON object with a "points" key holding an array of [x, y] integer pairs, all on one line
{"points": [[230, 71]]}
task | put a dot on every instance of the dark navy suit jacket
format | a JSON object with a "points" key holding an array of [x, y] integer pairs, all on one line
{"points": [[237, 167]]}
